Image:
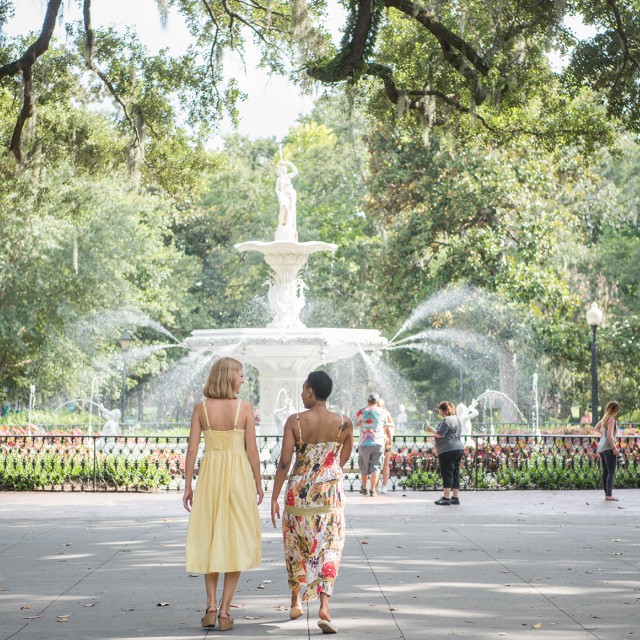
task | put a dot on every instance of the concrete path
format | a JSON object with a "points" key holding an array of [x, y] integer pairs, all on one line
{"points": [[516, 565]]}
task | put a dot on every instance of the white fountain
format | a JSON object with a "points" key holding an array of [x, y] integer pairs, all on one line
{"points": [[286, 350]]}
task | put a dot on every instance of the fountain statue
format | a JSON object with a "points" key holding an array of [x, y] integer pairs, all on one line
{"points": [[286, 350], [466, 415], [112, 418], [287, 201]]}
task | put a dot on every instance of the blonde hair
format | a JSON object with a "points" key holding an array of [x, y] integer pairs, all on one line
{"points": [[447, 408], [221, 380], [610, 411]]}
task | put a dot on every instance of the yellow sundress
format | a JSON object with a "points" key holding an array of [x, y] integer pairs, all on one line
{"points": [[224, 532]]}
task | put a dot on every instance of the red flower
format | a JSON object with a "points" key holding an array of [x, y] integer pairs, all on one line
{"points": [[290, 498], [330, 459], [328, 570]]}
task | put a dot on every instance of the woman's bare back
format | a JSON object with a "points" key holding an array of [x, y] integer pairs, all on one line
{"points": [[221, 413], [320, 426]]}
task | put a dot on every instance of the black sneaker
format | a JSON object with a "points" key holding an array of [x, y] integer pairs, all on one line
{"points": [[454, 500], [443, 501], [363, 491]]}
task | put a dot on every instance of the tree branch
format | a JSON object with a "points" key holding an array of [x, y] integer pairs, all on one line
{"points": [[41, 44], [24, 65], [395, 95], [25, 113], [236, 16], [624, 41], [443, 35], [513, 31], [349, 61], [89, 42]]}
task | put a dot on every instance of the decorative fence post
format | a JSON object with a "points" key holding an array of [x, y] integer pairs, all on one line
{"points": [[95, 463]]}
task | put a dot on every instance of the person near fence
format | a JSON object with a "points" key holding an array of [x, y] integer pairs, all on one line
{"points": [[388, 446], [450, 448], [608, 449], [224, 533], [313, 525], [372, 424]]}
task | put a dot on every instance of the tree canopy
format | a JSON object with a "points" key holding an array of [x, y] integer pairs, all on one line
{"points": [[485, 62]]}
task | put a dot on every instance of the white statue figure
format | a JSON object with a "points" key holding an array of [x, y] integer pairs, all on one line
{"points": [[402, 420], [109, 428], [466, 414], [280, 415], [286, 195]]}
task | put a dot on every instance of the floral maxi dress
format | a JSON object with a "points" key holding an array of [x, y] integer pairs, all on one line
{"points": [[313, 521]]}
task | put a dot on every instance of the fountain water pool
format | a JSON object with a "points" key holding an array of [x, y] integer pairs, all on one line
{"points": [[285, 351]]}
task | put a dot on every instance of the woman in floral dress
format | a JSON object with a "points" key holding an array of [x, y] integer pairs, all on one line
{"points": [[313, 525]]}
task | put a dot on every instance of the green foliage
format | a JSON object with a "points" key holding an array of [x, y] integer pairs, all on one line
{"points": [[124, 256], [49, 470]]}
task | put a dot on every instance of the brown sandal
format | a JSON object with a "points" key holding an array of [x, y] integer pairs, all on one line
{"points": [[226, 623], [209, 619]]}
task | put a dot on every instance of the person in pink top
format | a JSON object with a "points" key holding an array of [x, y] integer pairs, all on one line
{"points": [[372, 423]]}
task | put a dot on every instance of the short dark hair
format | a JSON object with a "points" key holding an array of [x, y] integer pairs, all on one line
{"points": [[321, 384]]}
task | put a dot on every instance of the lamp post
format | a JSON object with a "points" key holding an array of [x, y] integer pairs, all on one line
{"points": [[594, 318], [125, 343]]}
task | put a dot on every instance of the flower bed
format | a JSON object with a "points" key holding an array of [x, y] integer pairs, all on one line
{"points": [[517, 461]]}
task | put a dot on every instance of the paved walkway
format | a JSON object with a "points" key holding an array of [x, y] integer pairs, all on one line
{"points": [[516, 565]]}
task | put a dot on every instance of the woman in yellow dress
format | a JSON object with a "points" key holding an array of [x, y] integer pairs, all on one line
{"points": [[224, 533]]}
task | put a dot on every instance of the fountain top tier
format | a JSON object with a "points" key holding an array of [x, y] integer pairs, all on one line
{"points": [[286, 256]]}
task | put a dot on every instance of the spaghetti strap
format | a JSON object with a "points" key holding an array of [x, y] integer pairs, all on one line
{"points": [[299, 429], [206, 415], [235, 421]]}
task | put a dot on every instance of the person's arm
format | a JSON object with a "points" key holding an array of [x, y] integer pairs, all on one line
{"points": [[389, 426], [252, 448], [286, 455], [347, 443], [611, 425], [436, 432], [190, 458]]}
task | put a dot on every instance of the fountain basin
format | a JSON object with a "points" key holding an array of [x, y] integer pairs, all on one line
{"points": [[284, 357]]}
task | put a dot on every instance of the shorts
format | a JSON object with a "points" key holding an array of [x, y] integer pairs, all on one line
{"points": [[370, 459]]}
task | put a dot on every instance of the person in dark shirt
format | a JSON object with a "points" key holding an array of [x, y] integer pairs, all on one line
{"points": [[450, 448]]}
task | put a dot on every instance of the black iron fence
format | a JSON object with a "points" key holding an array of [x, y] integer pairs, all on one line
{"points": [[148, 463]]}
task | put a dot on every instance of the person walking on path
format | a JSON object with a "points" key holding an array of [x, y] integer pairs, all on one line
{"points": [[224, 533], [371, 421], [450, 448], [313, 525], [607, 448], [388, 446]]}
